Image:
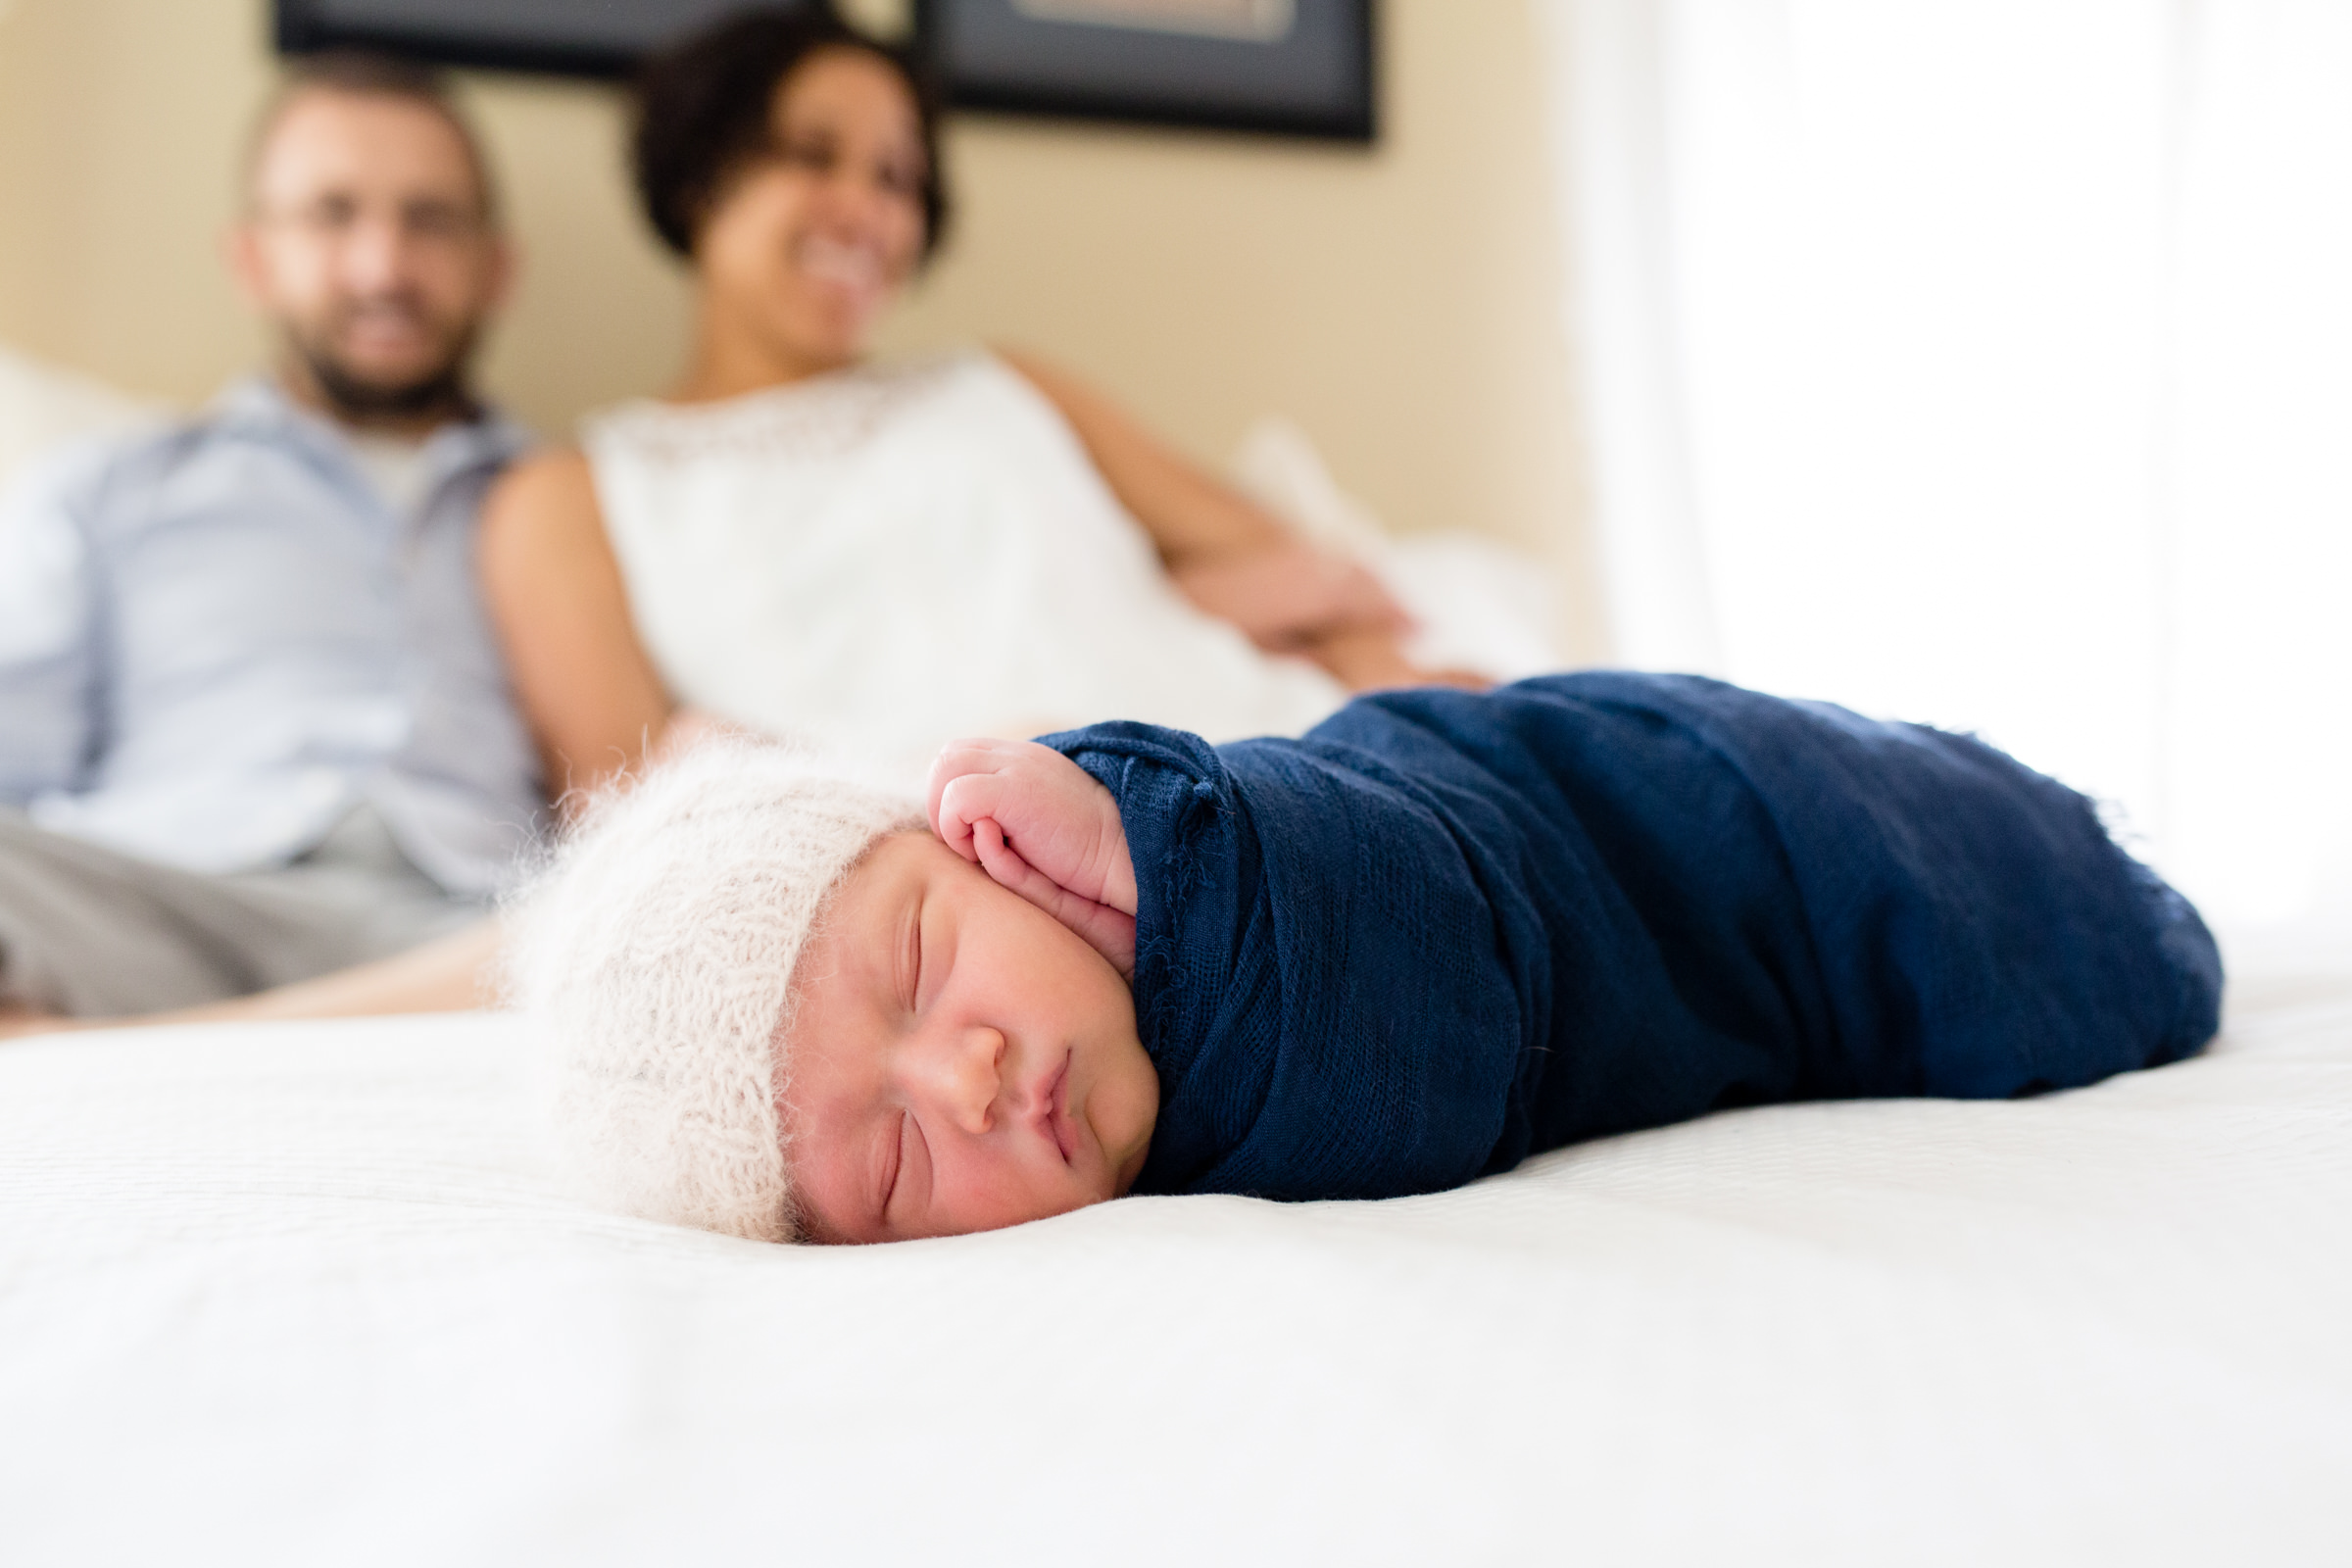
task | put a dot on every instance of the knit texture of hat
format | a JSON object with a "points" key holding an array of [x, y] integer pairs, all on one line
{"points": [[653, 963]]}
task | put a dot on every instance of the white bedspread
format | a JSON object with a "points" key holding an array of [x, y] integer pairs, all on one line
{"points": [[298, 1295]]}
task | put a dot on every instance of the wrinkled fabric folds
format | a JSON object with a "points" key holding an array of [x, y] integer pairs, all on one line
{"points": [[1445, 930]]}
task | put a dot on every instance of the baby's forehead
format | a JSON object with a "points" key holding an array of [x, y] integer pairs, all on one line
{"points": [[863, 893], [846, 958]]}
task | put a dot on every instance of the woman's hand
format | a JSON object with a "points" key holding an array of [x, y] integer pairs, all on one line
{"points": [[1229, 555], [18, 1020], [448, 974], [1288, 595], [1296, 599], [1040, 826], [1375, 661]]}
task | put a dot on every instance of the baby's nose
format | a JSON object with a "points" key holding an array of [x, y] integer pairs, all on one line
{"points": [[962, 1075]]}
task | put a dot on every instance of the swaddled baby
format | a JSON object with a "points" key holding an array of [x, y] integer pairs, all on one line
{"points": [[1441, 932]]}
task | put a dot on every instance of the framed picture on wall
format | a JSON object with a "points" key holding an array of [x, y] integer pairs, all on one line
{"points": [[565, 37], [1302, 68]]}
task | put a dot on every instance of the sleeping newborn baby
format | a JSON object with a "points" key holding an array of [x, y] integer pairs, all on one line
{"points": [[1441, 932]]}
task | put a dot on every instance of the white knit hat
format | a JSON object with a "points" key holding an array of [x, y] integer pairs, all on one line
{"points": [[653, 963]]}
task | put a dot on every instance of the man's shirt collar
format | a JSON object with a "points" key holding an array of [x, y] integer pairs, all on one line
{"points": [[260, 405]]}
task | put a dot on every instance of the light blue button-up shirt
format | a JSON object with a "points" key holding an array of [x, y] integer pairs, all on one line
{"points": [[218, 640]]}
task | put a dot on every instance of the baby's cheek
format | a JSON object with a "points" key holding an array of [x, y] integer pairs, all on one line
{"points": [[1129, 1111]]}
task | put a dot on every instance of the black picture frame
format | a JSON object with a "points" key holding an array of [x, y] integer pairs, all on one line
{"points": [[1310, 70], [1316, 79], [603, 41]]}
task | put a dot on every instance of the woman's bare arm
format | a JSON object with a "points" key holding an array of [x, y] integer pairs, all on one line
{"points": [[1229, 555], [1190, 515], [457, 972], [586, 687]]}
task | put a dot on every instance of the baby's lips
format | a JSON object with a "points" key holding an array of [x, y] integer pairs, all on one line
{"points": [[1053, 1097]]}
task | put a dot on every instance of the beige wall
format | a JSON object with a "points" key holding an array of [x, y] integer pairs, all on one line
{"points": [[1400, 303]]}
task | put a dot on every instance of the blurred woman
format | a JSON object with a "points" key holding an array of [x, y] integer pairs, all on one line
{"points": [[789, 539]]}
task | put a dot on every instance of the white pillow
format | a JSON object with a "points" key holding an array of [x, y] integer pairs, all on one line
{"points": [[42, 408]]}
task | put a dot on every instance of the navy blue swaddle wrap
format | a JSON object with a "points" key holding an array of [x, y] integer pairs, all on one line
{"points": [[1446, 930]]}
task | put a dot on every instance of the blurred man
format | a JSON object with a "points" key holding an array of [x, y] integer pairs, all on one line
{"points": [[252, 724]]}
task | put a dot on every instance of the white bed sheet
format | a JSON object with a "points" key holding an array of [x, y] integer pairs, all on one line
{"points": [[299, 1293]]}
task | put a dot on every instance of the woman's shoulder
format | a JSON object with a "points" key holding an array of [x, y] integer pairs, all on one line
{"points": [[547, 473], [548, 493]]}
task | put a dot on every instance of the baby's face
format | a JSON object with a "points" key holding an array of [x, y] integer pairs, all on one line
{"points": [[959, 1060]]}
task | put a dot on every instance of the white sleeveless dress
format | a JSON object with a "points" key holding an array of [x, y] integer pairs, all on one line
{"points": [[884, 559]]}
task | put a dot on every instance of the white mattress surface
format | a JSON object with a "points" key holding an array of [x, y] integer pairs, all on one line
{"points": [[300, 1294]]}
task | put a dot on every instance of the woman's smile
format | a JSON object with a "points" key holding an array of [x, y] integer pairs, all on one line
{"points": [[851, 265]]}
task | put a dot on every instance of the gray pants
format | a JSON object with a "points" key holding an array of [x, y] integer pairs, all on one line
{"points": [[91, 932]]}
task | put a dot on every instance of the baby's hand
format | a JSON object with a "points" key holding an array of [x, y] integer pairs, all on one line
{"points": [[1037, 824]]}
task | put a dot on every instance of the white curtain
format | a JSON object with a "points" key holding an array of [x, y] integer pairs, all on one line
{"points": [[1989, 362]]}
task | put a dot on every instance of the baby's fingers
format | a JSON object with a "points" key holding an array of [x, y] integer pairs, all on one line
{"points": [[958, 805], [969, 781], [1009, 870], [1108, 931]]}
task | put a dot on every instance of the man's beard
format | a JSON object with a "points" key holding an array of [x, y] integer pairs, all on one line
{"points": [[360, 399]]}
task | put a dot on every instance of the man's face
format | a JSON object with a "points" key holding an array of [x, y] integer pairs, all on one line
{"points": [[366, 241]]}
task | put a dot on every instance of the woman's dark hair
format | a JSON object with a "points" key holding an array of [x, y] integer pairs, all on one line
{"points": [[704, 106]]}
